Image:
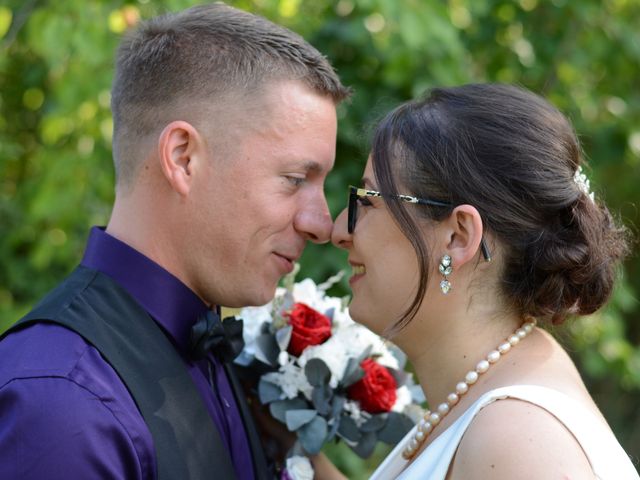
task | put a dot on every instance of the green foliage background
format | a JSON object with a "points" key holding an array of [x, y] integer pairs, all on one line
{"points": [[56, 176]]}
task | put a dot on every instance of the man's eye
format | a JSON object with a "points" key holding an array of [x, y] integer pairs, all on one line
{"points": [[364, 201], [295, 181]]}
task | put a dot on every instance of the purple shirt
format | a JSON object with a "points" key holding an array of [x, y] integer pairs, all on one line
{"points": [[65, 413]]}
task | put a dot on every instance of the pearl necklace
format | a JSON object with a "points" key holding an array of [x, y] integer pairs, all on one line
{"points": [[431, 419]]}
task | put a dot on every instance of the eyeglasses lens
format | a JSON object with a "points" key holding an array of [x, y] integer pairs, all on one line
{"points": [[352, 212]]}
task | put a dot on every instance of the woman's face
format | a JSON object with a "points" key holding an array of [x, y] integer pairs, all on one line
{"points": [[384, 264]]}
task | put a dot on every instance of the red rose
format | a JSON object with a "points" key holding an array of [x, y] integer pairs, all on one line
{"points": [[310, 327], [376, 391]]}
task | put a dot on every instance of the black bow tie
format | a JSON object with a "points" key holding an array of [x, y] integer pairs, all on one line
{"points": [[222, 338]]}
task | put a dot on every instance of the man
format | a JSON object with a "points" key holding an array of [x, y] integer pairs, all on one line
{"points": [[224, 132]]}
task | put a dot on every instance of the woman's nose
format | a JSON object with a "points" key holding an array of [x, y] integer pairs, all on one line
{"points": [[340, 237]]}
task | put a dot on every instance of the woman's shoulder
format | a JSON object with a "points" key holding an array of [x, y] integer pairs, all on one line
{"points": [[514, 438]]}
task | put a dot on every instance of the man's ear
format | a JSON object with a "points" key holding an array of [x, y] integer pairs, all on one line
{"points": [[179, 147], [464, 230]]}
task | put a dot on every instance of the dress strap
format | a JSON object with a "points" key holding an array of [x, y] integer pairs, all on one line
{"points": [[607, 458]]}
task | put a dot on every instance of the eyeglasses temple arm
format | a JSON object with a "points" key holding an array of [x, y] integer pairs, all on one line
{"points": [[434, 203], [485, 250]]}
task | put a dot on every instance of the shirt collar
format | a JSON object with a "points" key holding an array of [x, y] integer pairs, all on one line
{"points": [[173, 305]]}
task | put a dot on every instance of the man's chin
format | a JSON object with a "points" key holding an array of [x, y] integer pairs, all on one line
{"points": [[255, 299]]}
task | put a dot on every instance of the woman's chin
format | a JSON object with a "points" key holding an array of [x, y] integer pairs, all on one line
{"points": [[356, 313], [368, 317]]}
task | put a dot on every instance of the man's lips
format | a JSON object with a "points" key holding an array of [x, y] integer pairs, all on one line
{"points": [[286, 261], [291, 257]]}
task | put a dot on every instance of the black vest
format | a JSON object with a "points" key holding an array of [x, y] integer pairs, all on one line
{"points": [[186, 441]]}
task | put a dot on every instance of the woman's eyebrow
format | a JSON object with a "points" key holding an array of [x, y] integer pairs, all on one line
{"points": [[367, 183]]}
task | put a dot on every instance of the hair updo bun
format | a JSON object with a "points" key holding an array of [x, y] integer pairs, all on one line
{"points": [[570, 267], [513, 156]]}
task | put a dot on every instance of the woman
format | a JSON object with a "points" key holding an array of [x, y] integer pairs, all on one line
{"points": [[485, 226]]}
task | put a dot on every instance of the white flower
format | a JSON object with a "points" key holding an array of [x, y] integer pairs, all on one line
{"points": [[349, 341], [358, 338], [291, 379], [308, 293], [283, 358], [253, 318], [582, 182], [403, 399], [299, 468], [355, 412], [333, 353]]}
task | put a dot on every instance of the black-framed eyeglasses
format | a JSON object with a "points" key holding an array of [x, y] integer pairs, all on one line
{"points": [[355, 194]]}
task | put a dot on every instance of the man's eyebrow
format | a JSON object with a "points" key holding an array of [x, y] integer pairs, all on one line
{"points": [[313, 167]]}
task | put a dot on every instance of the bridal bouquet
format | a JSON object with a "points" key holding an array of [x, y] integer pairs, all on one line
{"points": [[324, 376]]}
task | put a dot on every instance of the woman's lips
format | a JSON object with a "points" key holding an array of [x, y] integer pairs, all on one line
{"points": [[357, 272]]}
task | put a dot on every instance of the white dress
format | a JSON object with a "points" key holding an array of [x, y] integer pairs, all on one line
{"points": [[607, 458]]}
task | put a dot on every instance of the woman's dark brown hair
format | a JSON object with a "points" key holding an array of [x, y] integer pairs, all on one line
{"points": [[513, 156]]}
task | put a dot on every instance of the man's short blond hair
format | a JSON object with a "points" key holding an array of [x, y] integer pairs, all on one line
{"points": [[196, 64]]}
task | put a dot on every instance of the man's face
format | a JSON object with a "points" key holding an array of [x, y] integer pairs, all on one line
{"points": [[259, 205]]}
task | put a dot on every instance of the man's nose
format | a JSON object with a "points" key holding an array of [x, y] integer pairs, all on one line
{"points": [[315, 222]]}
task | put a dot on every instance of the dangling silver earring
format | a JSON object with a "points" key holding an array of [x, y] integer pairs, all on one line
{"points": [[445, 268]]}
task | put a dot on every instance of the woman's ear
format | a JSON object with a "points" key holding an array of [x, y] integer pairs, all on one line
{"points": [[464, 230], [179, 147]]}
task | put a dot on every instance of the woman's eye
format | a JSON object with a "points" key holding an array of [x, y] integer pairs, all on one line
{"points": [[364, 201]]}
